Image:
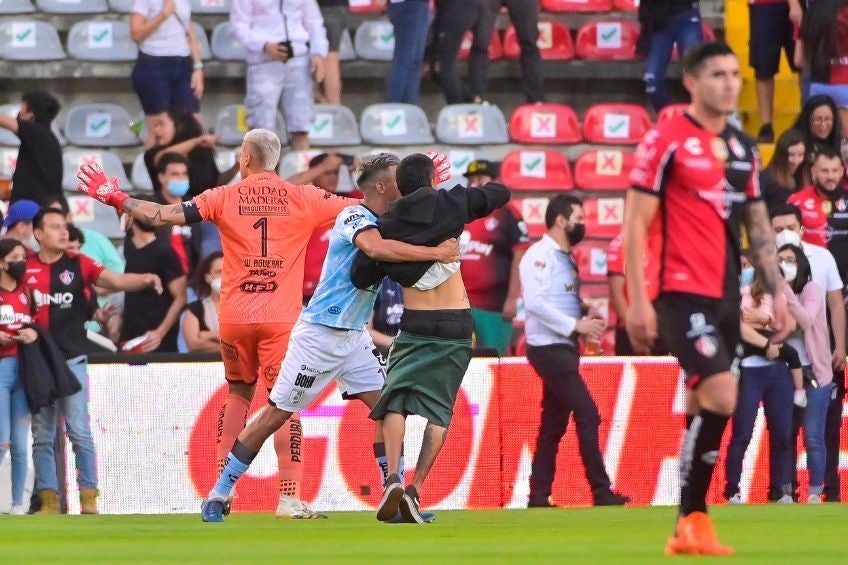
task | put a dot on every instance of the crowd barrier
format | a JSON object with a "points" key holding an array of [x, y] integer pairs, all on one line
{"points": [[155, 428]]}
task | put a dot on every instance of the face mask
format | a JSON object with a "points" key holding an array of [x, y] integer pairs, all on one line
{"points": [[16, 269], [178, 187], [747, 277], [576, 235], [216, 285], [790, 271], [787, 237]]}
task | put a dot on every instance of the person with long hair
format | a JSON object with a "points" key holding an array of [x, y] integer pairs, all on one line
{"points": [[200, 322], [15, 310], [818, 121], [785, 173]]}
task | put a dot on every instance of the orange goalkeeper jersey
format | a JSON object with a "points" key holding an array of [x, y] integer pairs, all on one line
{"points": [[265, 224]]}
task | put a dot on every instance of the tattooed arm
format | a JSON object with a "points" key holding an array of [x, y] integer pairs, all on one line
{"points": [[155, 215]]}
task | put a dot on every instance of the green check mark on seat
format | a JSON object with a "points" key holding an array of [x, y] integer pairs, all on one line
{"points": [[609, 35], [319, 126], [393, 122], [23, 35], [616, 126], [461, 163], [388, 36], [530, 165], [101, 36], [97, 125]]}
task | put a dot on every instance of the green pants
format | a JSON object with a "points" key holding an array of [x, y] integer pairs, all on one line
{"points": [[492, 331]]}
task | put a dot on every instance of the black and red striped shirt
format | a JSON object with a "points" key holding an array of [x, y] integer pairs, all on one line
{"points": [[15, 309]]}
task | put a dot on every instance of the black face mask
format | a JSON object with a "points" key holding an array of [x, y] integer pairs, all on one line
{"points": [[577, 234], [16, 269]]}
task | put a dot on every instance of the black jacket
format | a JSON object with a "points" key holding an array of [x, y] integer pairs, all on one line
{"points": [[44, 371], [426, 217]]}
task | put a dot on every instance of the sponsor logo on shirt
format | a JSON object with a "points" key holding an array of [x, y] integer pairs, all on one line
{"points": [[262, 201], [255, 287]]}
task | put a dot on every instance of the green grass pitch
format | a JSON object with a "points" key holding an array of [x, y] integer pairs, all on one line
{"points": [[759, 534]]}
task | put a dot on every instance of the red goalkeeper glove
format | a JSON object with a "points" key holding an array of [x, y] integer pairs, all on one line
{"points": [[442, 165], [93, 182]]}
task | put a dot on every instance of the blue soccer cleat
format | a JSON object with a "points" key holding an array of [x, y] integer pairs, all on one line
{"points": [[212, 510]]}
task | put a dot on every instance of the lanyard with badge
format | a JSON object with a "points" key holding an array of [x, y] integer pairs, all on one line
{"points": [[288, 49]]}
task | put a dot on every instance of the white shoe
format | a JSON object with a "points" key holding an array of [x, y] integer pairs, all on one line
{"points": [[814, 499], [786, 499], [290, 507], [735, 499], [18, 510]]}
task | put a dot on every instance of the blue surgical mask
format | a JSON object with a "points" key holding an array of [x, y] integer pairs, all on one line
{"points": [[747, 278], [178, 187]]}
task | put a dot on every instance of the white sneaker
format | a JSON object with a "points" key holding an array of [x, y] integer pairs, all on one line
{"points": [[291, 508], [18, 510], [735, 499], [814, 499], [786, 499]]}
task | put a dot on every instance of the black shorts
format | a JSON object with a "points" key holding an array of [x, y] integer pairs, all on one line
{"points": [[771, 30], [336, 21], [703, 333]]}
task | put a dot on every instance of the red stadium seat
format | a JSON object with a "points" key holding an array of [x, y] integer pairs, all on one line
{"points": [[591, 257], [709, 35], [366, 6], [607, 40], [603, 216], [532, 211], [625, 5], [544, 123], [554, 42], [536, 169], [671, 111], [576, 5], [495, 47], [615, 123], [598, 296], [603, 169]]}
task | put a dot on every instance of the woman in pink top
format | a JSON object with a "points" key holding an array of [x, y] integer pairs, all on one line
{"points": [[807, 305]]}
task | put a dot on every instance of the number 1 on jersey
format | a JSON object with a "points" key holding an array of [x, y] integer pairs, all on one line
{"points": [[262, 225]]}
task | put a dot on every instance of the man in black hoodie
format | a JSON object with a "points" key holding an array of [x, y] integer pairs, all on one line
{"points": [[431, 353]]}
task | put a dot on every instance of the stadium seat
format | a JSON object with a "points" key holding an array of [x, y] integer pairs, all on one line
{"points": [[8, 161], [16, 7], [597, 295], [334, 126], [471, 124], [29, 41], [111, 163], [366, 6], [532, 211], [460, 158], [72, 6], [625, 5], [205, 48], [375, 40], [225, 46], [603, 216], [576, 5], [91, 214], [607, 40], [101, 40], [139, 177], [346, 50], [591, 257], [603, 169], [536, 169], [544, 123], [224, 161], [99, 125], [295, 162], [495, 47], [211, 6], [232, 123], [671, 111], [554, 42], [615, 123], [121, 6], [395, 124]]}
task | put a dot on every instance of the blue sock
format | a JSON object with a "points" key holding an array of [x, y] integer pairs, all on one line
{"points": [[236, 464]]}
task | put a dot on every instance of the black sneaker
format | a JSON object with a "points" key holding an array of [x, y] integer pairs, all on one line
{"points": [[392, 495], [609, 497], [409, 507], [766, 134], [541, 503]]}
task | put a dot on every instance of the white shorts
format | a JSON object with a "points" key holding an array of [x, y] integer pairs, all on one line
{"points": [[318, 354], [286, 85]]}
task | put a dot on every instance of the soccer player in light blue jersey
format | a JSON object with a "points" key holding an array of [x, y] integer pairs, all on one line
{"points": [[330, 339]]}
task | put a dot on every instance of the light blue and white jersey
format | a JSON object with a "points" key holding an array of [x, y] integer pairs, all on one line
{"points": [[336, 302]]}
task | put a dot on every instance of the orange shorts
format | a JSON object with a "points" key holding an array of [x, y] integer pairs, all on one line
{"points": [[251, 350]]}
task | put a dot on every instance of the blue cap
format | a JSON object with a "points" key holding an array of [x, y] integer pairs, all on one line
{"points": [[21, 211]]}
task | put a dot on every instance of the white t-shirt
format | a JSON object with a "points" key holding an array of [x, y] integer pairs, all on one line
{"points": [[825, 273], [170, 39]]}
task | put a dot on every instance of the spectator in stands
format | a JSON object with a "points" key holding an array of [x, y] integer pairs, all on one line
{"points": [[172, 174], [411, 21], [15, 309], [388, 310], [147, 312], [200, 322], [818, 121], [169, 72], [824, 41], [75, 239], [524, 15], [18, 223], [786, 173], [38, 171], [286, 42], [665, 23], [771, 30], [492, 248], [336, 14], [455, 18]]}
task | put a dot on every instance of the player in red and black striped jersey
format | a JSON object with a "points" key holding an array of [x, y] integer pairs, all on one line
{"points": [[695, 179]]}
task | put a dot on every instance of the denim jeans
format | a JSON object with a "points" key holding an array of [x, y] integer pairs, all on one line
{"points": [[684, 29], [75, 410], [772, 385], [14, 424], [411, 20], [815, 415]]}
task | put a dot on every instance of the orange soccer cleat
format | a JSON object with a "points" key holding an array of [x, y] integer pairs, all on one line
{"points": [[696, 536]]}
